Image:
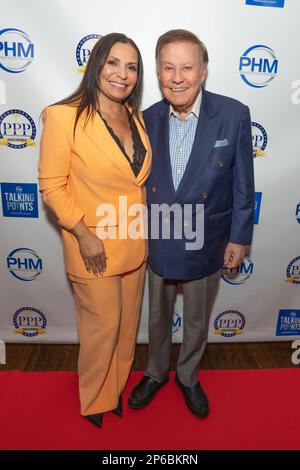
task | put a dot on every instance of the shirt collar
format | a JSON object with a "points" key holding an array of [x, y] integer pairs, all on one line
{"points": [[195, 109]]}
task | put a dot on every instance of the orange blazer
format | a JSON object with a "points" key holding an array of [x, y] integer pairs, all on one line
{"points": [[77, 175]]}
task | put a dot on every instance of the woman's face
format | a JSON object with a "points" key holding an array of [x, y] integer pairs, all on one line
{"points": [[120, 72]]}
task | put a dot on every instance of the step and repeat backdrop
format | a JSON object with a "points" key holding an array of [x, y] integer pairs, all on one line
{"points": [[254, 57]]}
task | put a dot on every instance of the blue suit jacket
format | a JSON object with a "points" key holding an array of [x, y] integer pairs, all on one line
{"points": [[219, 174]]}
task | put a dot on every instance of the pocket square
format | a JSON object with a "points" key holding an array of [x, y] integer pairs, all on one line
{"points": [[221, 143]]}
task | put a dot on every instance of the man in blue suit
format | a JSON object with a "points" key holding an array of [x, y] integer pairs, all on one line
{"points": [[202, 157]]}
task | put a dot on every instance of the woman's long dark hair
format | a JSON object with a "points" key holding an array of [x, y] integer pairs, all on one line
{"points": [[85, 98]]}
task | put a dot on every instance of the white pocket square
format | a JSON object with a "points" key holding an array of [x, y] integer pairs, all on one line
{"points": [[221, 143]]}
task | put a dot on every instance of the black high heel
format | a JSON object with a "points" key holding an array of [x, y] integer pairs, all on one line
{"points": [[119, 410], [95, 419]]}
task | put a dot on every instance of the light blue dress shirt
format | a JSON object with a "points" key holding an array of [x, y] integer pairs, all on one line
{"points": [[181, 139]]}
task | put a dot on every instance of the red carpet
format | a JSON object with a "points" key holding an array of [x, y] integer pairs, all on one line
{"points": [[249, 410]]}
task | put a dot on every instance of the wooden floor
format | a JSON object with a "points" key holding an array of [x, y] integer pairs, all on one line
{"points": [[44, 357]]}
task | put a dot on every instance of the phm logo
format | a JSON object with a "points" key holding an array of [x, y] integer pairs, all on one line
{"points": [[16, 50], [293, 271], [30, 322], [84, 49], [17, 129], [176, 322], [229, 323], [298, 213], [258, 66], [24, 264], [259, 140], [239, 275]]}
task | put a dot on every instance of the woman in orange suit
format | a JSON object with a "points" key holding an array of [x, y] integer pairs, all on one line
{"points": [[94, 154]]}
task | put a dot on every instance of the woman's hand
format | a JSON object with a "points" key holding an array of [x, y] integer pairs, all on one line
{"points": [[91, 249]]}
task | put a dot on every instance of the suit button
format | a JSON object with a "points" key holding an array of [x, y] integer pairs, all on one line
{"points": [[153, 189], [204, 195], [220, 163]]}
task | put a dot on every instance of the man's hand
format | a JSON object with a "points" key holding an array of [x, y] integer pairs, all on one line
{"points": [[234, 255]]}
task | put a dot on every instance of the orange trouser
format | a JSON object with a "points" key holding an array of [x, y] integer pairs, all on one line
{"points": [[108, 311]]}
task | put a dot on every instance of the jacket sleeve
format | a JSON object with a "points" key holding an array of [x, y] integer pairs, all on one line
{"points": [[243, 185], [54, 168]]}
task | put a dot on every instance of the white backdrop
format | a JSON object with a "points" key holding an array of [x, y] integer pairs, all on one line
{"points": [[38, 66]]}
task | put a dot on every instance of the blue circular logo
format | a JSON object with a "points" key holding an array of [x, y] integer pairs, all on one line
{"points": [[293, 271], [84, 49], [17, 129], [29, 322], [24, 264], [239, 275], [176, 322], [258, 66], [298, 213], [16, 50], [259, 140], [229, 323]]}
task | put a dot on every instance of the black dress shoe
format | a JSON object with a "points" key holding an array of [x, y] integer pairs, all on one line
{"points": [[144, 392], [195, 399], [95, 419], [119, 410]]}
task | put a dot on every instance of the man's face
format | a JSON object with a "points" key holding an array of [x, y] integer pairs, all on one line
{"points": [[181, 74]]}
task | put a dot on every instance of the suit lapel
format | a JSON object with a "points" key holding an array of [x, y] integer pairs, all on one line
{"points": [[144, 171], [97, 132], [205, 137], [163, 149]]}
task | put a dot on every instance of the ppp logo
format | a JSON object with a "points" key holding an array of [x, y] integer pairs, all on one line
{"points": [[17, 129]]}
